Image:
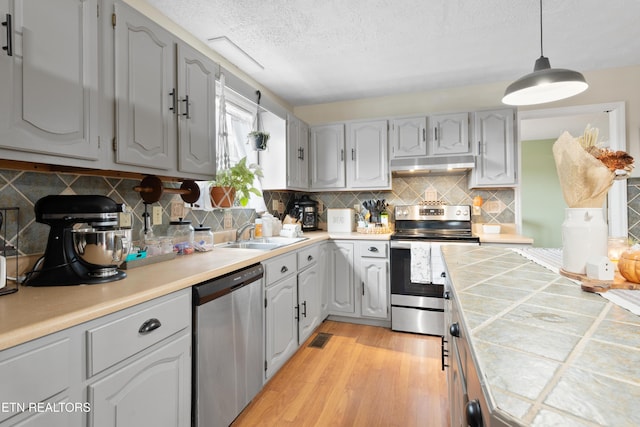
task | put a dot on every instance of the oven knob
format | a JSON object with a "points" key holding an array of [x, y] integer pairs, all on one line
{"points": [[458, 212], [447, 295]]}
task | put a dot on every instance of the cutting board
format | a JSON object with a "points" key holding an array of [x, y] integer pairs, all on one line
{"points": [[594, 285]]}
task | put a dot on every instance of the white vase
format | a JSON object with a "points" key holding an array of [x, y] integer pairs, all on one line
{"points": [[584, 235]]}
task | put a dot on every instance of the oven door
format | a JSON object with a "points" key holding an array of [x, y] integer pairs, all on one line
{"points": [[401, 272]]}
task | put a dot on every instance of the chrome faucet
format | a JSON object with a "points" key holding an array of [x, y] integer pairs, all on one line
{"points": [[240, 231]]}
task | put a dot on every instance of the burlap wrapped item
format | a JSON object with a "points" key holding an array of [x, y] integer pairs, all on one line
{"points": [[584, 179]]}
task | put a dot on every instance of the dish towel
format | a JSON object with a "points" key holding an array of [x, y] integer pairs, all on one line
{"points": [[420, 262], [204, 201]]}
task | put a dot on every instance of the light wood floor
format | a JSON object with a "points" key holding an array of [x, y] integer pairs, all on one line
{"points": [[364, 376]]}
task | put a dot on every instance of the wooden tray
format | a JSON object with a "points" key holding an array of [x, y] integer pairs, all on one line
{"points": [[594, 285]]}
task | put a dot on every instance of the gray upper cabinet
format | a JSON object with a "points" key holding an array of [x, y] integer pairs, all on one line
{"points": [[496, 159], [297, 154], [408, 137], [196, 111], [145, 91], [449, 134], [48, 90], [368, 155], [326, 146], [350, 156]]}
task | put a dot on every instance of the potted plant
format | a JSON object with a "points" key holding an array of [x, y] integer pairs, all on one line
{"points": [[235, 182], [258, 139]]}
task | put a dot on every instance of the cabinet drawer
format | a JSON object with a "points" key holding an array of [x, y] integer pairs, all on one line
{"points": [[307, 256], [35, 375], [374, 249], [122, 337], [280, 267]]}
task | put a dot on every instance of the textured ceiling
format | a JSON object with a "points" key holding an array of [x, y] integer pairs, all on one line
{"points": [[329, 50]]}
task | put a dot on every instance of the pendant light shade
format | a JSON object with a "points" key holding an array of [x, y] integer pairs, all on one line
{"points": [[544, 84]]}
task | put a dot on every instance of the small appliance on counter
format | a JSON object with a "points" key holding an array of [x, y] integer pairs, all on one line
{"points": [[308, 211], [86, 244]]}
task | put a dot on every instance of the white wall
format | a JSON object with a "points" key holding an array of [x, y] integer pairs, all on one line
{"points": [[611, 85]]}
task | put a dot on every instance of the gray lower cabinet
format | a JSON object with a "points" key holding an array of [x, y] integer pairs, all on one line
{"points": [[281, 319], [293, 303], [154, 390], [129, 368], [358, 273]]}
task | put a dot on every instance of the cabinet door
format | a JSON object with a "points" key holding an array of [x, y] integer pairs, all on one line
{"points": [[368, 152], [374, 275], [341, 278], [155, 390], [297, 154], [495, 165], [49, 85], [323, 278], [409, 137], [281, 323], [449, 134], [309, 301], [327, 157], [196, 111], [146, 99]]}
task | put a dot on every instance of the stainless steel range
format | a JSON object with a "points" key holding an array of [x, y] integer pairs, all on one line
{"points": [[417, 270]]}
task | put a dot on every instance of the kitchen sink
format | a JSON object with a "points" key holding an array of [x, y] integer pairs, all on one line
{"points": [[264, 243]]}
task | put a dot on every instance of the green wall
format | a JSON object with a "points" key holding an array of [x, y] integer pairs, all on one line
{"points": [[542, 202]]}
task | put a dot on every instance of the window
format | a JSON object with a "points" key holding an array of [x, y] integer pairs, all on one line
{"points": [[239, 119]]}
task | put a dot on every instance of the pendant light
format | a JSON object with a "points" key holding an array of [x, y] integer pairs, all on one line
{"points": [[545, 84]]}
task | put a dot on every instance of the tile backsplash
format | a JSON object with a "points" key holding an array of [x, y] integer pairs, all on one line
{"points": [[23, 188]]}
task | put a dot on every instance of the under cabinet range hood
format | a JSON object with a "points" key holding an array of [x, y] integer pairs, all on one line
{"points": [[442, 164]]}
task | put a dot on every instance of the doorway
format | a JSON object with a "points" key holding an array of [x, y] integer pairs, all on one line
{"points": [[540, 200]]}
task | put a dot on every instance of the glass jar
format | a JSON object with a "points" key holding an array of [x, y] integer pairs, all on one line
{"points": [[182, 234], [203, 238], [258, 230]]}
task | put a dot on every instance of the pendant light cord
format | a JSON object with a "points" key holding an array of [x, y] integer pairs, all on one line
{"points": [[541, 52]]}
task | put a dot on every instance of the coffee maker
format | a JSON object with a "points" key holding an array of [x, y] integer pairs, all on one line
{"points": [[85, 244], [308, 213]]}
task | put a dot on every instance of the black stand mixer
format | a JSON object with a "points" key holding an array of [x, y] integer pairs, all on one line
{"points": [[88, 254]]}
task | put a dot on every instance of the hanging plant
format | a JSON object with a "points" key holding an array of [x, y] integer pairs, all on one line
{"points": [[258, 138]]}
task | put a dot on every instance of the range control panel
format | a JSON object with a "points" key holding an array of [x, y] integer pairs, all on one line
{"points": [[434, 213]]}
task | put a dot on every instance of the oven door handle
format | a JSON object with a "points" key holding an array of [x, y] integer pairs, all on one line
{"points": [[400, 244]]}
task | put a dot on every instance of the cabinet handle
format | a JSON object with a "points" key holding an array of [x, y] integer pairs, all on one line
{"points": [[342, 155], [309, 258], [353, 154], [302, 151], [172, 94], [284, 269], [297, 312], [424, 134], [186, 101], [444, 352], [479, 147], [362, 288], [435, 134], [9, 46], [304, 313], [474, 413], [454, 330], [150, 325], [372, 249]]}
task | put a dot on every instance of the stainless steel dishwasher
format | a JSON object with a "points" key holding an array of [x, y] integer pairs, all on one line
{"points": [[228, 366]]}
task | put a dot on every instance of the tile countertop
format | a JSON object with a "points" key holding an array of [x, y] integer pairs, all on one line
{"points": [[546, 352], [33, 312]]}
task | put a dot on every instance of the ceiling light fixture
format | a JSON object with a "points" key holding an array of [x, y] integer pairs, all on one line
{"points": [[545, 84]]}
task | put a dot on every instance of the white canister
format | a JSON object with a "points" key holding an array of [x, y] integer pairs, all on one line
{"points": [[267, 225], [584, 235]]}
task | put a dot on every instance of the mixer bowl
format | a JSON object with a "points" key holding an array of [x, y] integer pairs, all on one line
{"points": [[104, 248]]}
